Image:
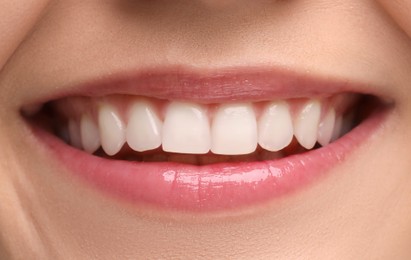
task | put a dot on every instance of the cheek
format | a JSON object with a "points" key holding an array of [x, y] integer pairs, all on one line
{"points": [[400, 11], [17, 19]]}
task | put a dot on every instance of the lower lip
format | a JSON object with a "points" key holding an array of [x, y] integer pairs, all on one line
{"points": [[224, 186]]}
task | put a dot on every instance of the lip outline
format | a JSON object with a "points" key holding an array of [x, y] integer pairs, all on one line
{"points": [[247, 83], [323, 88]]}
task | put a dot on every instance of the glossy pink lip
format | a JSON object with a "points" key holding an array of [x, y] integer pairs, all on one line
{"points": [[206, 188], [214, 187], [249, 84]]}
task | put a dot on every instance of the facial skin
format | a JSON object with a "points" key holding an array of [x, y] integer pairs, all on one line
{"points": [[361, 210]]}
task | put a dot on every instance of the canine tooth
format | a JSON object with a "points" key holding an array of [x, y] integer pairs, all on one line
{"points": [[112, 130], [186, 129], [275, 127], [144, 127], [234, 130], [74, 133], [306, 124], [90, 136], [325, 128]]}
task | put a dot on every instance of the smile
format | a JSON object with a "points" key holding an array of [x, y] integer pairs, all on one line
{"points": [[185, 140]]}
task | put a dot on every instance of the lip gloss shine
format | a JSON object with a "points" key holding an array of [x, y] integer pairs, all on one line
{"points": [[214, 187]]}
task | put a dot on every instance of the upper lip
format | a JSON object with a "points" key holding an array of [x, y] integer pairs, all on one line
{"points": [[212, 86]]}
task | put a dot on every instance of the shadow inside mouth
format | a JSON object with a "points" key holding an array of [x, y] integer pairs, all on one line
{"points": [[159, 155]]}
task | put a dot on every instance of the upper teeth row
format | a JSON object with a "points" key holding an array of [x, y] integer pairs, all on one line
{"points": [[187, 128]]}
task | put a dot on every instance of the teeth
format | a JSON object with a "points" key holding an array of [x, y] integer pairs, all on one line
{"points": [[337, 128], [234, 130], [64, 134], [275, 128], [74, 133], [112, 130], [326, 127], [144, 127], [90, 136], [186, 129], [306, 124], [347, 124]]}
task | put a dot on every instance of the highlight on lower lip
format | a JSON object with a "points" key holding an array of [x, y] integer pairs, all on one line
{"points": [[206, 188]]}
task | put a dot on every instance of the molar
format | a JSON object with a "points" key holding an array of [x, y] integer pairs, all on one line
{"points": [[90, 135], [337, 128], [326, 127], [74, 133]]}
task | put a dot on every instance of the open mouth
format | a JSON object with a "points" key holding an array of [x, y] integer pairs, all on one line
{"points": [[140, 129], [209, 152]]}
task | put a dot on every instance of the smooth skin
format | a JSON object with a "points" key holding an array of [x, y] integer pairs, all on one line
{"points": [[361, 210]]}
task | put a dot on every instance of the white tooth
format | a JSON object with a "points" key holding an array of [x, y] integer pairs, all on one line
{"points": [[306, 124], [337, 128], [325, 128], [186, 129], [112, 130], [90, 135], [275, 127], [144, 127], [74, 132], [234, 130]]}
